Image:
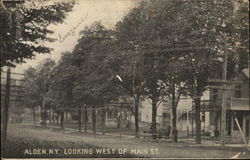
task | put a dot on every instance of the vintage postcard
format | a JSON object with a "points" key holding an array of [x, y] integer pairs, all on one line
{"points": [[129, 79]]}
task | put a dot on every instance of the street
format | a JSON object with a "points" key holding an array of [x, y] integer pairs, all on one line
{"points": [[107, 143]]}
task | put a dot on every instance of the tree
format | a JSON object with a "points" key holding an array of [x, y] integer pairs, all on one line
{"points": [[23, 29], [199, 25], [32, 99], [45, 71], [167, 36], [146, 33], [176, 87], [94, 86], [61, 85], [37, 82], [214, 24], [240, 20], [127, 62]]}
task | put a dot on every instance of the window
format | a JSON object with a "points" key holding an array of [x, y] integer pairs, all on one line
{"points": [[237, 93], [215, 94], [109, 114], [215, 91], [203, 117]]}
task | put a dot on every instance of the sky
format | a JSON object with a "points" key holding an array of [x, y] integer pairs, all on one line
{"points": [[84, 13]]}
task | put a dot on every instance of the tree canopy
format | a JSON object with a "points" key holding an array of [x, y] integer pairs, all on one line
{"points": [[161, 49], [25, 29]]}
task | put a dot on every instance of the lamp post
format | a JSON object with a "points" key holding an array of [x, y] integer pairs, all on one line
{"points": [[134, 102], [120, 115]]}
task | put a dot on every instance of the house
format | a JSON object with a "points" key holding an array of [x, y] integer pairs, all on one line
{"points": [[237, 107], [164, 114]]}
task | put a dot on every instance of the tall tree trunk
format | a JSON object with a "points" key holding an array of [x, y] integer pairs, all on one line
{"points": [[94, 120], [6, 108], [66, 119], [79, 119], [53, 117], [62, 120], [34, 115], [174, 108], [85, 119], [174, 128], [154, 114], [57, 118], [41, 114], [50, 116], [44, 116], [174, 116], [197, 120], [103, 120], [137, 99]]}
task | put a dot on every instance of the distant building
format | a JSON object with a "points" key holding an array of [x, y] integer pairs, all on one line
{"points": [[117, 113], [185, 114], [163, 114]]}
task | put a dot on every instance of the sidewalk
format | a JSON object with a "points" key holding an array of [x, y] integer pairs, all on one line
{"points": [[71, 130], [181, 141]]}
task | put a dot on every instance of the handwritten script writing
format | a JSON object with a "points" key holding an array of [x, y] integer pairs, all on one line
{"points": [[71, 32]]}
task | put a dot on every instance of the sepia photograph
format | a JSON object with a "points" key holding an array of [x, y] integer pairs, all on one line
{"points": [[125, 79]]}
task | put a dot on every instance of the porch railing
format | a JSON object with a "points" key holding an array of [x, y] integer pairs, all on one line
{"points": [[239, 104]]}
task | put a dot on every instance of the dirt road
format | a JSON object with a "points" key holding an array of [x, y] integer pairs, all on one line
{"points": [[138, 147]]}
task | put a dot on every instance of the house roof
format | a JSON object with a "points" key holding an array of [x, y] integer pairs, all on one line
{"points": [[246, 72]]}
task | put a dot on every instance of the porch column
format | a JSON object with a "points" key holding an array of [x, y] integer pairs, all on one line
{"points": [[244, 126], [212, 123], [232, 123], [192, 124], [249, 127], [207, 120]]}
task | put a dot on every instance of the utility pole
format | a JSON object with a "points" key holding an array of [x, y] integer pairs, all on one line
{"points": [[187, 125], [223, 103], [6, 106]]}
